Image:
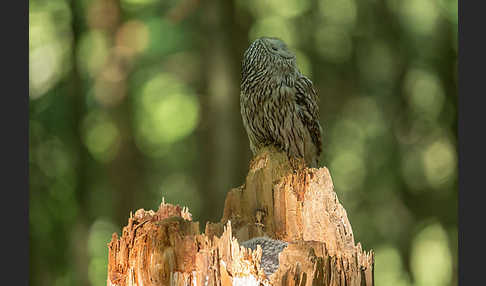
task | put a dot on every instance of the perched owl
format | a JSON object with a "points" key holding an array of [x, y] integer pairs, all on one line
{"points": [[278, 103]]}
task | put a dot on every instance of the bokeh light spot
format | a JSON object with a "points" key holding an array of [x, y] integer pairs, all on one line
{"points": [[273, 27], [93, 52], [419, 16], [167, 111], [49, 45], [41, 29], [440, 161], [364, 110], [133, 36], [97, 270], [44, 69], [53, 158], [339, 12], [347, 135], [389, 268], [425, 92], [267, 8], [130, 3], [431, 257], [348, 171], [99, 236], [101, 136]]}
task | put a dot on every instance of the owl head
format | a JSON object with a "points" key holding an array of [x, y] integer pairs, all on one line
{"points": [[276, 47], [269, 55]]}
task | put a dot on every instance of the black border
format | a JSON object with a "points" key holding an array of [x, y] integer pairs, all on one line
{"points": [[471, 142], [14, 118]]}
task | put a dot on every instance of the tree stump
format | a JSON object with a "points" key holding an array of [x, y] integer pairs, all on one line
{"points": [[278, 200]]}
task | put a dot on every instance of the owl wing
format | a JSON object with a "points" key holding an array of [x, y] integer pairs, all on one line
{"points": [[306, 98]]}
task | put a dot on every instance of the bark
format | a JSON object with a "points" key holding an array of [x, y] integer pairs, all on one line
{"points": [[278, 200]]}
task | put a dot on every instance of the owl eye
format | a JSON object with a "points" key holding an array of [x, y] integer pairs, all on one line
{"points": [[274, 48]]}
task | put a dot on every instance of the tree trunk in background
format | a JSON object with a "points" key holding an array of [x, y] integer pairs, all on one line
{"points": [[78, 105], [222, 135], [125, 171], [239, 26], [297, 206]]}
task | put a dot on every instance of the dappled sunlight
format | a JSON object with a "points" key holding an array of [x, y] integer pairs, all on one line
{"points": [[44, 69], [425, 93], [418, 16], [133, 37], [92, 52], [349, 171], [339, 12], [347, 135], [390, 270], [291, 8], [393, 217], [99, 235], [274, 26], [53, 158], [137, 3], [351, 154], [366, 112], [166, 111], [101, 136], [47, 53], [440, 163], [431, 257]]}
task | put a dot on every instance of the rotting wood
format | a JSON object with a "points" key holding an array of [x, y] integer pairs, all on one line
{"points": [[298, 206]]}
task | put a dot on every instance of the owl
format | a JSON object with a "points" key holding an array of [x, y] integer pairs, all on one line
{"points": [[278, 103]]}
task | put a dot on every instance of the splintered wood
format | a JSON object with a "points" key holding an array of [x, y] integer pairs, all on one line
{"points": [[278, 200]]}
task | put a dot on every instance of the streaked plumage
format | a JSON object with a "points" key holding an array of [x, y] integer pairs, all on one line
{"points": [[271, 248], [278, 103]]}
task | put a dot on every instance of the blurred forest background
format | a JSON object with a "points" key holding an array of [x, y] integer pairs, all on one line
{"points": [[135, 100]]}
